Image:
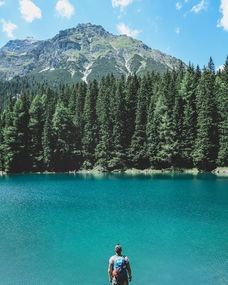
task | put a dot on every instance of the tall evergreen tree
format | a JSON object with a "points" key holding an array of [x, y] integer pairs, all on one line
{"points": [[89, 140], [78, 114], [104, 145], [188, 93], [137, 151], [206, 146], [47, 144], [151, 128], [16, 137], [73, 95], [161, 142], [36, 126], [79, 106], [66, 156], [165, 147], [132, 87], [222, 103], [1, 144], [118, 158], [177, 117], [8, 137], [50, 101]]}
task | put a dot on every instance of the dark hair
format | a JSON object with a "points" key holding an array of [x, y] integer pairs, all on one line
{"points": [[118, 248]]}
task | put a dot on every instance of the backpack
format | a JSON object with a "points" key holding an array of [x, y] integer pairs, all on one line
{"points": [[119, 267]]}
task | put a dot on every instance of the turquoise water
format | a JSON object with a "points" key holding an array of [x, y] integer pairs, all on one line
{"points": [[61, 229]]}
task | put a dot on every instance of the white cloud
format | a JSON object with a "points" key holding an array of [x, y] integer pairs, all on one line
{"points": [[220, 67], [29, 10], [121, 3], [202, 5], [125, 30], [2, 3], [64, 8], [178, 6], [177, 30], [8, 28], [223, 22]]}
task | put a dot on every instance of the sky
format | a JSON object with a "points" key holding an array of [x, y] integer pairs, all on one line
{"points": [[192, 30]]}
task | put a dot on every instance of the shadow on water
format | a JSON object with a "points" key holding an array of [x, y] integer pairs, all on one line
{"points": [[157, 176], [113, 176]]}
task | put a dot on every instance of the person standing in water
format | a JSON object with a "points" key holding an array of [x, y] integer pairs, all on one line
{"points": [[119, 269]]}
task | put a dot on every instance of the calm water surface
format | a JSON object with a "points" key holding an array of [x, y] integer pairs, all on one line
{"points": [[61, 229]]}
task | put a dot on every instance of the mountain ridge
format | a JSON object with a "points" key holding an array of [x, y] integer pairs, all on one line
{"points": [[84, 52]]}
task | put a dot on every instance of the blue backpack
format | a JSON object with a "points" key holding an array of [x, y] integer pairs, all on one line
{"points": [[119, 269]]}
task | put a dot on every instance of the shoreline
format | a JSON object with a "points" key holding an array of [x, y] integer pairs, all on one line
{"points": [[135, 171], [219, 171]]}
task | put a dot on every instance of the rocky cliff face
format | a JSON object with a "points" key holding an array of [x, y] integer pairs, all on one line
{"points": [[82, 53]]}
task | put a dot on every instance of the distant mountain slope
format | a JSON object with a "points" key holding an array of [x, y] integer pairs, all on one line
{"points": [[82, 53]]}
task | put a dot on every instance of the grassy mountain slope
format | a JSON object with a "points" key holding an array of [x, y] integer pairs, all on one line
{"points": [[82, 53]]}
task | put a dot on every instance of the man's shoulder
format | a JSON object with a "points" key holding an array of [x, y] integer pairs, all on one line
{"points": [[112, 258], [126, 258]]}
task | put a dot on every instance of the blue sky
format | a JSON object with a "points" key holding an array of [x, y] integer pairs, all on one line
{"points": [[192, 30]]}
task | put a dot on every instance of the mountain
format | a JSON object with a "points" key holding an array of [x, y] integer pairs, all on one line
{"points": [[82, 53]]}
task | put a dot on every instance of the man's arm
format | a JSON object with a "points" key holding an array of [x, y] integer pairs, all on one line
{"points": [[110, 269], [129, 271]]}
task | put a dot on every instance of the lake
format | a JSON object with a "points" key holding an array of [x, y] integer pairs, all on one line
{"points": [[62, 229]]}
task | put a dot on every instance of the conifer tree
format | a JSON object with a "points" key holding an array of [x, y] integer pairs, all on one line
{"points": [[16, 137], [151, 128], [36, 126], [78, 114], [176, 115], [64, 94], [161, 142], [132, 87], [89, 139], [137, 151], [8, 133], [188, 93], [222, 103], [79, 106], [118, 157], [47, 144], [73, 95], [1, 144], [50, 100], [103, 148], [206, 146], [65, 151], [165, 147]]}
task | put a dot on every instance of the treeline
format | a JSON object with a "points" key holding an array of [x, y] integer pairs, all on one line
{"points": [[18, 85], [178, 119]]}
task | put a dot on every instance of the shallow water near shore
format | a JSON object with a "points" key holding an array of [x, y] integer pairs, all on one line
{"points": [[61, 229]]}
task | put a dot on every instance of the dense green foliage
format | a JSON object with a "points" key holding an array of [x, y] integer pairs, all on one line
{"points": [[178, 119]]}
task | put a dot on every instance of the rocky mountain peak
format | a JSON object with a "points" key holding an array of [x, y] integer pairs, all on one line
{"points": [[19, 46], [85, 30], [84, 52]]}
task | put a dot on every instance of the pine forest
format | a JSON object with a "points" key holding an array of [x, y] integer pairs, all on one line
{"points": [[177, 119]]}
